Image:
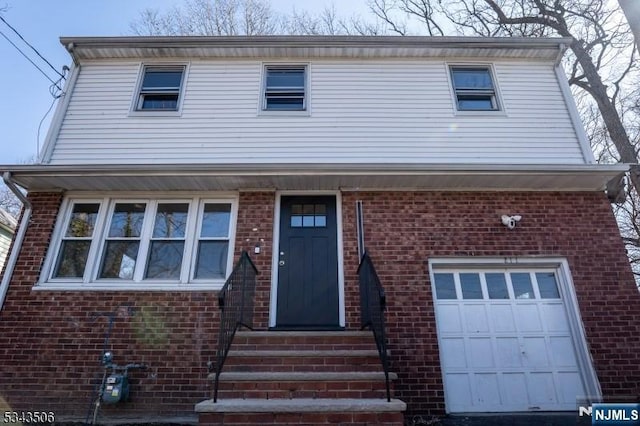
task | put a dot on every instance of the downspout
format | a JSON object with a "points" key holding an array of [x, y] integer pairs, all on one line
{"points": [[19, 239]]}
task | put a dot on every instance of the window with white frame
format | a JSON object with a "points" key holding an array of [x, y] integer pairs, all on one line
{"points": [[160, 88], [285, 88], [140, 241], [474, 88]]}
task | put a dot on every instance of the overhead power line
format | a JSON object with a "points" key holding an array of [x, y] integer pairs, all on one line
{"points": [[32, 48], [29, 59]]}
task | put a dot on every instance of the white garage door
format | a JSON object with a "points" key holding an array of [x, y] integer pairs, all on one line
{"points": [[505, 341]]}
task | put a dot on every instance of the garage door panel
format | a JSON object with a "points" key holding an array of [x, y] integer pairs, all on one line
{"points": [[453, 353], [508, 352], [475, 318], [450, 318], [534, 352], [458, 385], [501, 318], [562, 352], [541, 389], [528, 318], [487, 389], [481, 352], [568, 382], [555, 317], [515, 390]]}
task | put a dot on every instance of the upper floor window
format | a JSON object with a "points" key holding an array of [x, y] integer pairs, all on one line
{"points": [[285, 88], [474, 88], [135, 242], [160, 88]]}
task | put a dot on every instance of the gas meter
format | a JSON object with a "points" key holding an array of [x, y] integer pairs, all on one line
{"points": [[116, 389]]}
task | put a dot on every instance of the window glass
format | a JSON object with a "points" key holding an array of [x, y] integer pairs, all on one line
{"points": [[167, 245], [475, 103], [160, 89], [445, 286], [212, 259], [285, 78], [127, 220], [547, 285], [165, 259], [308, 215], [83, 220], [522, 288], [213, 246], [471, 78], [161, 80], [285, 89], [171, 221], [123, 242], [470, 285], [497, 286], [215, 220], [474, 88], [119, 259], [75, 245]]}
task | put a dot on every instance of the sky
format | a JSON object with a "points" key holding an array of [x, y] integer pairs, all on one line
{"points": [[26, 96]]}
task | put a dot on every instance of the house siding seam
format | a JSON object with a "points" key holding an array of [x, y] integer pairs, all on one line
{"points": [[53, 339]]}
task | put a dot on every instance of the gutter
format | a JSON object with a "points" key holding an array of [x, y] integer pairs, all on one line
{"points": [[19, 238]]}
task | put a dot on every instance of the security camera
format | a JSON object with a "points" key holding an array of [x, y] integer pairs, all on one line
{"points": [[511, 221]]}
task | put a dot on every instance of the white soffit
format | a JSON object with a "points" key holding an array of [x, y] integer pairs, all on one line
{"points": [[313, 177], [305, 47]]}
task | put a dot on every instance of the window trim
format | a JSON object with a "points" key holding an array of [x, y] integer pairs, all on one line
{"points": [[135, 110], [262, 99], [90, 280], [497, 97]]}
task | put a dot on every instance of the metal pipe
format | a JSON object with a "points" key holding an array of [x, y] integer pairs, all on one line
{"points": [[19, 239]]}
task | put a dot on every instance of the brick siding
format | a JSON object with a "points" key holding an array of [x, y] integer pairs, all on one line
{"points": [[52, 340]]}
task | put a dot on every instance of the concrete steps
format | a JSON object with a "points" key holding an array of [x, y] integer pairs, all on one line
{"points": [[296, 377]]}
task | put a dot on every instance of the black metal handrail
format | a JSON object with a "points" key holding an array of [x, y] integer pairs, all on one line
{"points": [[235, 301], [372, 304]]}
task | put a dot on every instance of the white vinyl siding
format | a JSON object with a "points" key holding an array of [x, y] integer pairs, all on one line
{"points": [[365, 111], [5, 242]]}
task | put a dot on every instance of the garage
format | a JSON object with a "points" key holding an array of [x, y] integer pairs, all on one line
{"points": [[510, 339]]}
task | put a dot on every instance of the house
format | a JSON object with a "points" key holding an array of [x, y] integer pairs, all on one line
{"points": [[304, 172], [7, 229]]}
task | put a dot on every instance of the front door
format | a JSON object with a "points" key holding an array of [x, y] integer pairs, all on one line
{"points": [[307, 296]]}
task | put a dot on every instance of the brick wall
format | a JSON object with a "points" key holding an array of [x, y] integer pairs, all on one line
{"points": [[52, 340], [403, 230]]}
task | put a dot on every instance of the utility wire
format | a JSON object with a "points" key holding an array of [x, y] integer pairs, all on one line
{"points": [[32, 48], [29, 59]]}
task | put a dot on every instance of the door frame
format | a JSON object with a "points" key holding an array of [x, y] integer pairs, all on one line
{"points": [[273, 304], [567, 291]]}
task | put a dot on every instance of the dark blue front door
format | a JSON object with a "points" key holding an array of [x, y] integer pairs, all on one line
{"points": [[307, 294]]}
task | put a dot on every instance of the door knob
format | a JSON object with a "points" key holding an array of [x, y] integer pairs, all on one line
{"points": [[281, 263]]}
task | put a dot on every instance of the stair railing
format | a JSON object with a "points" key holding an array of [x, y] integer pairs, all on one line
{"points": [[235, 301], [372, 306]]}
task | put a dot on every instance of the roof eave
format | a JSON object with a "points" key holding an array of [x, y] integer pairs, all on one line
{"points": [[238, 177], [304, 46]]}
